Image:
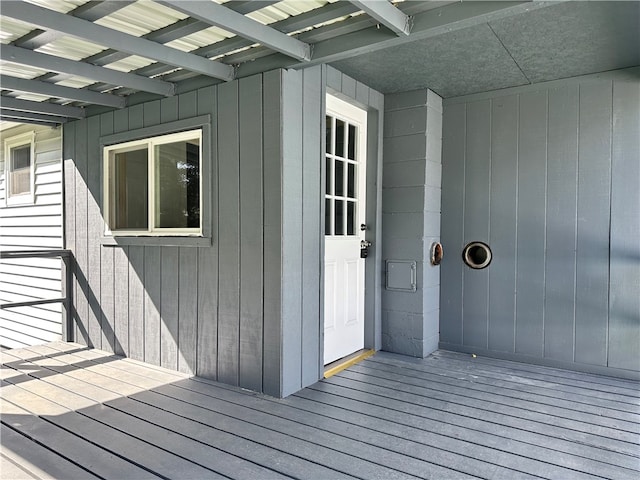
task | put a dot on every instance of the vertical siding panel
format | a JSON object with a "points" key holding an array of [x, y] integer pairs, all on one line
{"points": [[121, 268], [594, 174], [152, 299], [81, 298], [207, 361], [624, 306], [292, 231], [106, 259], [532, 158], [251, 244], [94, 231], [168, 109], [136, 302], [272, 114], [169, 266], [502, 230], [69, 159], [311, 236], [476, 220], [453, 160], [188, 286], [136, 271], [188, 310], [560, 261], [229, 261]]}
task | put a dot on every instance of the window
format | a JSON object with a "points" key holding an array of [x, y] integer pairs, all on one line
{"points": [[153, 186], [19, 169]]}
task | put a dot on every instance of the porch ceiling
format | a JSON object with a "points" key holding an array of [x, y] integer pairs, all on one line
{"points": [[79, 53]]}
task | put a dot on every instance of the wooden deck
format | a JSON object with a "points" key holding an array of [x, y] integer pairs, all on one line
{"points": [[69, 412]]}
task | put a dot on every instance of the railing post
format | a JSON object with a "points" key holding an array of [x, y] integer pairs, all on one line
{"points": [[67, 305]]}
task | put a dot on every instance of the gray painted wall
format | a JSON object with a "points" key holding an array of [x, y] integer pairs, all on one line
{"points": [[548, 175], [245, 310], [411, 216]]}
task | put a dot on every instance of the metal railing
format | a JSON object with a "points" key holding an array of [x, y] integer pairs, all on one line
{"points": [[67, 285]]}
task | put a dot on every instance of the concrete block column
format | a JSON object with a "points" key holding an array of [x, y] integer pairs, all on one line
{"points": [[411, 190]]}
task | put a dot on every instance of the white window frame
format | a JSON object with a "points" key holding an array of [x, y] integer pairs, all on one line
{"points": [[9, 144], [151, 143]]}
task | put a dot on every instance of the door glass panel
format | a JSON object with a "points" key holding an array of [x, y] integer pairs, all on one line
{"points": [[340, 134], [328, 134], [339, 178], [327, 216], [351, 218], [352, 142], [351, 180], [339, 219], [328, 180]]}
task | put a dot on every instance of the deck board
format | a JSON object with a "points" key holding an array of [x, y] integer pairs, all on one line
{"points": [[68, 411]]}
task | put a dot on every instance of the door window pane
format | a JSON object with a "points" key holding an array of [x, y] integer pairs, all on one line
{"points": [[328, 134], [129, 185], [327, 216], [328, 181], [351, 218], [340, 138], [339, 178], [339, 218], [352, 142], [351, 181], [177, 178]]}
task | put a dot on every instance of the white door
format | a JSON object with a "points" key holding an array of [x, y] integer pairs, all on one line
{"points": [[345, 195]]}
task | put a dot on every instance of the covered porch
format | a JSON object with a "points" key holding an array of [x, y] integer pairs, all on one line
{"points": [[73, 412]]}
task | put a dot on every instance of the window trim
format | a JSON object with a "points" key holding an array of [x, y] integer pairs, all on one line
{"points": [[164, 237], [9, 144]]}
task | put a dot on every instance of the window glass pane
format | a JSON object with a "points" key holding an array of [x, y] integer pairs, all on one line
{"points": [[340, 127], [351, 218], [339, 219], [351, 180], [327, 216], [327, 182], [177, 184], [20, 170], [352, 142], [328, 134], [339, 178], [128, 190]]}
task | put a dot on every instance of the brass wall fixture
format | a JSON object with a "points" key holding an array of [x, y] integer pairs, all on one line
{"points": [[477, 255], [436, 253]]}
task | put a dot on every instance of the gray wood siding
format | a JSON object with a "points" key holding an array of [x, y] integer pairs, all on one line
{"points": [[33, 226], [549, 174], [245, 310]]}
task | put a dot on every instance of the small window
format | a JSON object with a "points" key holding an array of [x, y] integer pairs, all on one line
{"points": [[153, 186], [19, 169]]}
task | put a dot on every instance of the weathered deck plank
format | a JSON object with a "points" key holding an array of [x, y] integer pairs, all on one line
{"points": [[68, 411]]}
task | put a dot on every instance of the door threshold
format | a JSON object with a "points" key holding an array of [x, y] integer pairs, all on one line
{"points": [[345, 362]]}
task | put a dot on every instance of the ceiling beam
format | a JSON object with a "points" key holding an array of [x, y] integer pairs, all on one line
{"points": [[10, 103], [91, 11], [387, 14], [22, 56], [428, 24], [30, 117], [231, 21], [76, 27], [58, 91]]}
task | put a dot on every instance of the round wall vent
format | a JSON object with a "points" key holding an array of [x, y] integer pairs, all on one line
{"points": [[477, 255]]}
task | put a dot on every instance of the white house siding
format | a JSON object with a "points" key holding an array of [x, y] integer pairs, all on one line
{"points": [[33, 227]]}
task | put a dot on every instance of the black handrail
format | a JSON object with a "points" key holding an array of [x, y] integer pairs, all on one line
{"points": [[67, 285]]}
